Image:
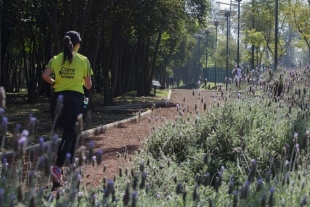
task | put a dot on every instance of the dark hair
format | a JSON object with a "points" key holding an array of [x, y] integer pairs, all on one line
{"points": [[70, 40], [68, 49]]}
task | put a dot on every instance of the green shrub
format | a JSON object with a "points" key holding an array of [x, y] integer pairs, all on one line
{"points": [[248, 149]]}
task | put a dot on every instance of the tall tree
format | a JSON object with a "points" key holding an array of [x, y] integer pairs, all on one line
{"points": [[298, 13], [264, 17]]}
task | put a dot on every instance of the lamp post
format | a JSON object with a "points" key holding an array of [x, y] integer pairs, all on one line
{"points": [[227, 14], [198, 36], [238, 54], [207, 32], [216, 24], [253, 26], [230, 5], [276, 37]]}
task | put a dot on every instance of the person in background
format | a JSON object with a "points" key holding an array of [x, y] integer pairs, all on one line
{"points": [[171, 79], [198, 83], [238, 73], [71, 70]]}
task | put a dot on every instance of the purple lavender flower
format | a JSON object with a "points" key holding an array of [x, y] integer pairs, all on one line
{"points": [[2, 97], [2, 111], [222, 169], [59, 105], [134, 198], [271, 200], [259, 185], [67, 160], [268, 176], [73, 195], [41, 142], [206, 179], [109, 189], [263, 200], [1, 197], [4, 125], [32, 124], [12, 201], [210, 202], [287, 164], [22, 141], [230, 187], [220, 176], [217, 184], [135, 182], [41, 163], [126, 197], [235, 200], [206, 159], [90, 150], [179, 188], [251, 174], [31, 178], [4, 165], [195, 194], [303, 201], [287, 146], [253, 163], [99, 156], [269, 155], [245, 190], [287, 177], [143, 179], [303, 185], [54, 143], [142, 164]]}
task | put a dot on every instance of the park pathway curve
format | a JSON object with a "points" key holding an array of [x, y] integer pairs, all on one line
{"points": [[129, 135]]}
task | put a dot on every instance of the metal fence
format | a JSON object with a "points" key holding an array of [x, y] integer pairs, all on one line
{"points": [[209, 74]]}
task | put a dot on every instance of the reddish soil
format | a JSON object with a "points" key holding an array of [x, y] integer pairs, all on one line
{"points": [[131, 135]]}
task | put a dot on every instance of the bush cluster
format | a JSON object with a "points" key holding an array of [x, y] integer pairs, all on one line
{"points": [[249, 147]]}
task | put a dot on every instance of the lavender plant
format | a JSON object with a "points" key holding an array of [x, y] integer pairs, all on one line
{"points": [[249, 148]]}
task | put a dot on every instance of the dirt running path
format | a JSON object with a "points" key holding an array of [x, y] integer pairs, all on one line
{"points": [[130, 135]]}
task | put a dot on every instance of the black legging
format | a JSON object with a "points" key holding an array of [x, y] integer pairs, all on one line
{"points": [[72, 107]]}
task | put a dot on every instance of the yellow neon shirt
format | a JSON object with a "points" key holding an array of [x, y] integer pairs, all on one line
{"points": [[70, 76]]}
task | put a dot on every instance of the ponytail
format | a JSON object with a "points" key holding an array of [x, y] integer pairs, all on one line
{"points": [[68, 49]]}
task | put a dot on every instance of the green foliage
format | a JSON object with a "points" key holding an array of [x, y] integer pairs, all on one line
{"points": [[245, 149], [220, 53], [258, 23]]}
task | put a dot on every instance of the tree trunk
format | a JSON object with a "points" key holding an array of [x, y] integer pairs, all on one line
{"points": [[85, 16], [140, 65], [154, 61], [53, 24], [116, 58]]}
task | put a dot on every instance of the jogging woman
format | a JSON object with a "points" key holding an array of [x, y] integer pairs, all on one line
{"points": [[71, 71]]}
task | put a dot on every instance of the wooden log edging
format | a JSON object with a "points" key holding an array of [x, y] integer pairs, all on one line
{"points": [[91, 132], [102, 129], [87, 133]]}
